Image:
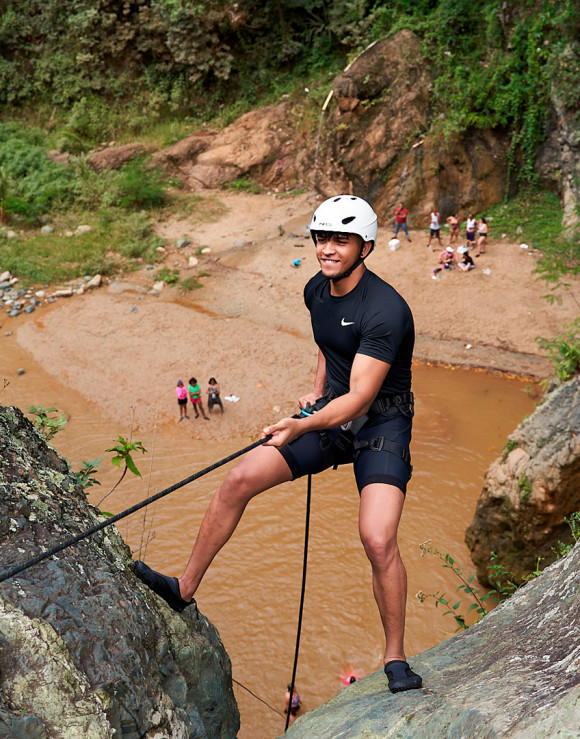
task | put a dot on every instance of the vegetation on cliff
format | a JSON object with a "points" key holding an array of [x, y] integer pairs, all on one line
{"points": [[85, 72], [108, 69]]}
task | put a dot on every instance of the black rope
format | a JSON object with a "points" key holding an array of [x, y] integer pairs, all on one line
{"points": [[303, 591], [137, 507], [237, 682]]}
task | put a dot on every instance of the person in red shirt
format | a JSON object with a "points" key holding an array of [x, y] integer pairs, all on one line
{"points": [[401, 220]]}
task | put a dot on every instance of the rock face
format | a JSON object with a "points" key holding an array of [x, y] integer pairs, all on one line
{"points": [[85, 649], [558, 160], [115, 156], [525, 497], [515, 674], [382, 136]]}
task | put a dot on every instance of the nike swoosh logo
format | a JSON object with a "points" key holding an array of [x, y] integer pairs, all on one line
{"points": [[346, 323]]}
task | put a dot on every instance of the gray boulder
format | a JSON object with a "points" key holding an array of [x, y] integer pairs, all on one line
{"points": [[85, 648], [515, 674], [526, 495]]}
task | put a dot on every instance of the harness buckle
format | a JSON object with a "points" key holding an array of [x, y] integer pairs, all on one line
{"points": [[376, 444]]}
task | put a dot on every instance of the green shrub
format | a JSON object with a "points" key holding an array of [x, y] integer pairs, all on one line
{"points": [[33, 183], [140, 187], [564, 351], [168, 276]]}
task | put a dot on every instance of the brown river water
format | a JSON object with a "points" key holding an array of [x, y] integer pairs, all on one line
{"points": [[252, 591]]}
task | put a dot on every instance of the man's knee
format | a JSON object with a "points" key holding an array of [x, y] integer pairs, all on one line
{"points": [[380, 547], [239, 483]]}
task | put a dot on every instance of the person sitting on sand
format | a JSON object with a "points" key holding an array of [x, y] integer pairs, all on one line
{"points": [[466, 262], [213, 391], [446, 260], [195, 397]]}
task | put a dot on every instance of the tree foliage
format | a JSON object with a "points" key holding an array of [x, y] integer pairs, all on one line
{"points": [[495, 63]]}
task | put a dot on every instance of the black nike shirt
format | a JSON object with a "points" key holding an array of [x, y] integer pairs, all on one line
{"points": [[372, 319]]}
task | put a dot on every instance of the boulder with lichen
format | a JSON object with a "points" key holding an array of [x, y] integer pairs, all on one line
{"points": [[85, 648]]}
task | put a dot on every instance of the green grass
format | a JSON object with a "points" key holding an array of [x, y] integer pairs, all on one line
{"points": [[244, 184], [116, 241], [538, 214]]}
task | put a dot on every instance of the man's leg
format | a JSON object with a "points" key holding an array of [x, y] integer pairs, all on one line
{"points": [[261, 469], [381, 506], [380, 512]]}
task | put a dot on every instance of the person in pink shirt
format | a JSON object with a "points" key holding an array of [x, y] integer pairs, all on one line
{"points": [[181, 392]]}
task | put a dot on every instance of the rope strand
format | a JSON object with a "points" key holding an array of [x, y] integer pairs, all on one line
{"points": [[137, 507], [302, 593]]}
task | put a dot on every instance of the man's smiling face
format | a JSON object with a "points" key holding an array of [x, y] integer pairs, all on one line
{"points": [[337, 252]]}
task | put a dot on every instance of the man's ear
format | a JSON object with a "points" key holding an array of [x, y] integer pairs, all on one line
{"points": [[367, 246]]}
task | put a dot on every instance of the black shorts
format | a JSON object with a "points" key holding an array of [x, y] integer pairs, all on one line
{"points": [[181, 401], [305, 455], [435, 232]]}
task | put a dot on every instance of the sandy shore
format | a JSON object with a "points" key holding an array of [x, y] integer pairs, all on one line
{"points": [[123, 348]]}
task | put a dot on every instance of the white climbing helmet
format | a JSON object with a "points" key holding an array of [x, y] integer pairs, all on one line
{"points": [[346, 214]]}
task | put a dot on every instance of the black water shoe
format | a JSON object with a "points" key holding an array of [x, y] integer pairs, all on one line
{"points": [[165, 587], [401, 676]]}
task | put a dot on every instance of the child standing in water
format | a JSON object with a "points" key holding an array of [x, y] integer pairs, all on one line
{"points": [[181, 393], [213, 392], [195, 397]]}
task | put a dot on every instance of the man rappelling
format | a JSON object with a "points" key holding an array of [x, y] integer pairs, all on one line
{"points": [[359, 411]]}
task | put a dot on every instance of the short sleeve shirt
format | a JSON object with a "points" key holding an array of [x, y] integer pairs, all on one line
{"points": [[372, 319]]}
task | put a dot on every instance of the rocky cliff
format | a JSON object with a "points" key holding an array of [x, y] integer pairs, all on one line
{"points": [[85, 649], [527, 493], [381, 139], [515, 674]]}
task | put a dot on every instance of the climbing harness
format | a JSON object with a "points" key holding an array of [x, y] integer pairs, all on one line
{"points": [[137, 507], [348, 442]]}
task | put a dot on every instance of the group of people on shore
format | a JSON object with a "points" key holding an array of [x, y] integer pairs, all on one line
{"points": [[473, 228], [192, 393]]}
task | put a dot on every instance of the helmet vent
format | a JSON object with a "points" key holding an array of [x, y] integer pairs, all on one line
{"points": [[337, 199], [348, 220]]}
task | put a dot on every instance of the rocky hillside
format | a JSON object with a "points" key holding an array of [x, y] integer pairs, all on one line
{"points": [[379, 138], [86, 650]]}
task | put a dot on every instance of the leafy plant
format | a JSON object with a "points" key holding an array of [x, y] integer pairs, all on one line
{"points": [[86, 475], [564, 351], [190, 283], [573, 520], [476, 596], [502, 579], [140, 187], [168, 276], [47, 424], [524, 485], [123, 454], [510, 445]]}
